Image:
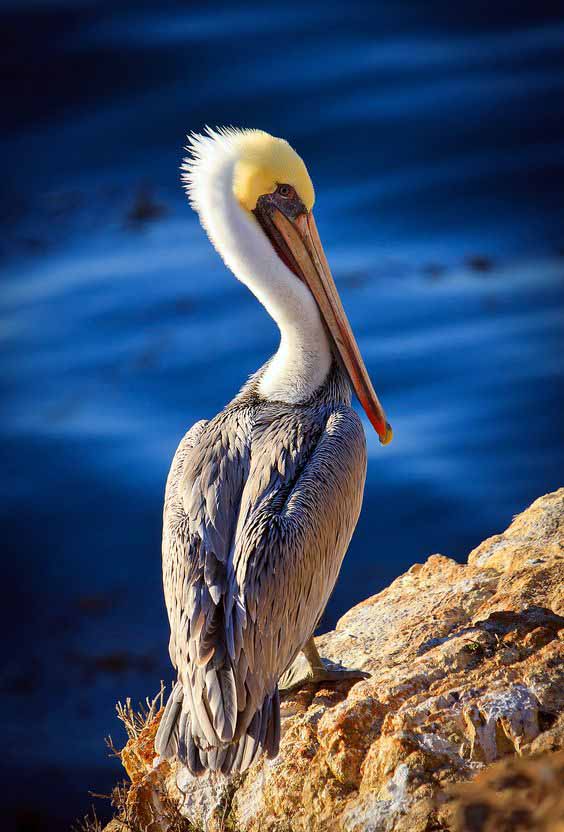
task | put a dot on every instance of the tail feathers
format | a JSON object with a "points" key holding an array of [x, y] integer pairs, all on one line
{"points": [[166, 739], [179, 736]]}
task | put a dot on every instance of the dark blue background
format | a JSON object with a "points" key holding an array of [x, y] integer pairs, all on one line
{"points": [[432, 133]]}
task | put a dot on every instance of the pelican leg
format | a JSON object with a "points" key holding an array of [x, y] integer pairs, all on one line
{"points": [[309, 668]]}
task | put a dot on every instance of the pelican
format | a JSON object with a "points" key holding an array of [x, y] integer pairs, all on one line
{"points": [[261, 501]]}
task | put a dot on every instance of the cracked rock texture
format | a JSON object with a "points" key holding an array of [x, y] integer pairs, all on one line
{"points": [[459, 726]]}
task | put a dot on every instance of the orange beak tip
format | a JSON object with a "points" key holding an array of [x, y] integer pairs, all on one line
{"points": [[387, 437]]}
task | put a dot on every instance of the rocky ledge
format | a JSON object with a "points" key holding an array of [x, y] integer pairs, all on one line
{"points": [[459, 726]]}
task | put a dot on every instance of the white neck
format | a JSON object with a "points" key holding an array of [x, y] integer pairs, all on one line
{"points": [[303, 359]]}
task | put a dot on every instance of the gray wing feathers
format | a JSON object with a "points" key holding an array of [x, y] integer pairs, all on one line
{"points": [[221, 693], [201, 509], [295, 524], [259, 510], [166, 739]]}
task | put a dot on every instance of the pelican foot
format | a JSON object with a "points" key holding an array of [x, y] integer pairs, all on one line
{"points": [[310, 669]]}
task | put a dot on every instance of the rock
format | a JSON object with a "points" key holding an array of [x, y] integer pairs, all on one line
{"points": [[513, 794], [458, 727]]}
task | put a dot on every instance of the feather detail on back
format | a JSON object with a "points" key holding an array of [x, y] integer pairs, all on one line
{"points": [[260, 506]]}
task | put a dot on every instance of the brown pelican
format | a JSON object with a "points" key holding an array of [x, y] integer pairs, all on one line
{"points": [[262, 500]]}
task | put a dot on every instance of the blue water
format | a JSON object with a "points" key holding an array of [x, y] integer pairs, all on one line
{"points": [[433, 137]]}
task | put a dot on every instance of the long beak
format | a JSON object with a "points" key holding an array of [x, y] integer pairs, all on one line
{"points": [[303, 241]]}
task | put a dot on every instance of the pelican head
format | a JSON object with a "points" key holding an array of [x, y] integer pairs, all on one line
{"points": [[255, 199]]}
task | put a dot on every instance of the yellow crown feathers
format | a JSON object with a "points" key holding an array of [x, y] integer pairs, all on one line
{"points": [[266, 162]]}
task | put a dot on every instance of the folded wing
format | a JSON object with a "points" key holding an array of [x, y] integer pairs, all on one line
{"points": [[260, 507]]}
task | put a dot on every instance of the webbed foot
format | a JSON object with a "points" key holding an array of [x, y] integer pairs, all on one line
{"points": [[309, 668]]}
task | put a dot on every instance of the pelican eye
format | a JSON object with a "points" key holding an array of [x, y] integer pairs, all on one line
{"points": [[286, 191]]}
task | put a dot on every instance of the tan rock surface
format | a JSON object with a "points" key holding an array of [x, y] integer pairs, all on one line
{"points": [[467, 668]]}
